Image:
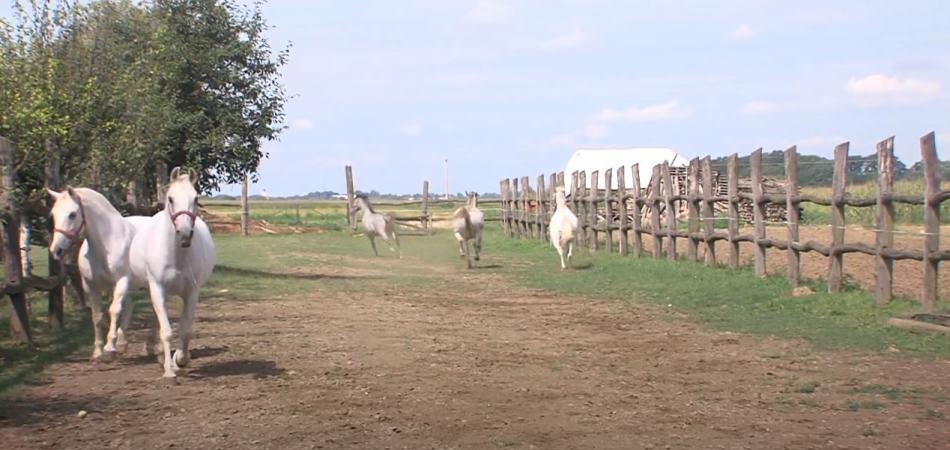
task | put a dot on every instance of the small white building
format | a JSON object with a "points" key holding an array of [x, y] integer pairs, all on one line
{"points": [[590, 160]]}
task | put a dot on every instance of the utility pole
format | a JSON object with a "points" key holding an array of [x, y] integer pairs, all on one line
{"points": [[446, 179]]}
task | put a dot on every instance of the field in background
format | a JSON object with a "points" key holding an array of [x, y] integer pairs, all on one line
{"points": [[903, 214]]}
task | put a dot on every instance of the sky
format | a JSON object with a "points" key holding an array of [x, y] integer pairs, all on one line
{"points": [[510, 88]]}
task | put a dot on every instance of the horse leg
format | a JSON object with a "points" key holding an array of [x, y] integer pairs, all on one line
{"points": [[152, 345], [372, 241], [396, 239], [121, 344], [560, 252], [115, 312], [461, 240], [468, 255], [183, 355], [157, 292], [570, 251], [478, 245], [95, 306]]}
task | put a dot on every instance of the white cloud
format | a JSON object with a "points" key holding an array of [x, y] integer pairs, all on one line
{"points": [[879, 89], [573, 39], [757, 107], [412, 129], [301, 125], [596, 131], [744, 32], [662, 111], [489, 12]]}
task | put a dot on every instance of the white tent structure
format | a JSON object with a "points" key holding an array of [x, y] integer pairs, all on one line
{"points": [[603, 159]]}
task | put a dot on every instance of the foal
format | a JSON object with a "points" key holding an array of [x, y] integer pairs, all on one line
{"points": [[563, 228], [377, 224], [468, 224]]}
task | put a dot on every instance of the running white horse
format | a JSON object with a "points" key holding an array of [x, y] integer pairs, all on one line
{"points": [[174, 254], [103, 258], [563, 228], [377, 224], [469, 221]]}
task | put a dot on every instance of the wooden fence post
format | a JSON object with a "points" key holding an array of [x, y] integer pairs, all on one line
{"points": [[56, 295], [516, 205], [636, 216], [592, 205], [526, 224], [655, 212], [692, 205], [732, 172], [503, 191], [758, 210], [928, 154], [245, 213], [622, 207], [884, 222], [792, 216], [608, 210], [10, 233], [838, 186], [670, 210], [541, 214], [350, 197], [581, 208], [426, 222], [709, 214]]}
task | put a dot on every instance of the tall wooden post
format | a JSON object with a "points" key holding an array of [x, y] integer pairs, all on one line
{"points": [[692, 205], [609, 210], [758, 210], [516, 216], [425, 207], [709, 224], [622, 207], [504, 207], [655, 212], [350, 199], [793, 273], [581, 210], [541, 214], [245, 213], [884, 222], [732, 172], [56, 295], [670, 210], [592, 206], [637, 224], [838, 186], [10, 233], [928, 154]]}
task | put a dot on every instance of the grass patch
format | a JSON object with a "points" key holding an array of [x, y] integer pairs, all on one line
{"points": [[733, 300], [808, 387], [855, 405]]}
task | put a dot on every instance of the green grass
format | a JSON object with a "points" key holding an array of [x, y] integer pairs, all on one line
{"points": [[903, 214], [724, 299]]}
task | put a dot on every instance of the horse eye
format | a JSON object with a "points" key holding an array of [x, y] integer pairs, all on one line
{"points": [[171, 200], [72, 215]]}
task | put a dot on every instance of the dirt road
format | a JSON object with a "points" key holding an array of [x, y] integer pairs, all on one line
{"points": [[466, 360]]}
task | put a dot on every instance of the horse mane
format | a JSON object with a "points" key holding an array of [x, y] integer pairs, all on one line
{"points": [[366, 203]]}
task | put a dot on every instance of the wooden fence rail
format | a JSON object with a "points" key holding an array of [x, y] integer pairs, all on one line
{"points": [[615, 212]]}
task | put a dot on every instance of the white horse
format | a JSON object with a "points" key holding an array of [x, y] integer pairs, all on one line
{"points": [[468, 223], [377, 224], [563, 228], [103, 257], [174, 254]]}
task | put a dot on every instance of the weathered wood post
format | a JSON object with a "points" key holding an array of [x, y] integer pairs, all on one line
{"points": [[838, 185], [540, 215], [592, 206], [636, 216], [792, 216], [516, 204], [245, 213], [54, 180], [655, 212], [425, 207], [928, 154], [506, 207], [622, 207], [758, 210], [608, 210], [350, 198], [670, 210], [732, 172], [884, 222], [581, 210], [709, 214], [692, 205], [10, 233]]}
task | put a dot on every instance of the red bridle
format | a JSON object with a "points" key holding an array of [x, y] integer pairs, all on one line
{"points": [[73, 235], [183, 212]]}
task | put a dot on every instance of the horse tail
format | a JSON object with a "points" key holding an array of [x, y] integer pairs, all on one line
{"points": [[463, 214]]}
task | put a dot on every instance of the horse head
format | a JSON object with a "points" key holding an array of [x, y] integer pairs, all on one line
{"points": [[181, 203], [69, 221]]}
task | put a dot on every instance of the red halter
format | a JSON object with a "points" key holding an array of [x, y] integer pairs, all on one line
{"points": [[73, 235], [183, 212]]}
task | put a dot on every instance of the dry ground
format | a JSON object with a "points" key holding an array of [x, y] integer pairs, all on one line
{"points": [[468, 360]]}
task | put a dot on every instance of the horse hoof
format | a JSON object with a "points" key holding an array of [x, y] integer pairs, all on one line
{"points": [[107, 356], [169, 380], [478, 258], [181, 358]]}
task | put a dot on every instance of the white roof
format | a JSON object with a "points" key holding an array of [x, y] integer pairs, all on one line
{"points": [[603, 159]]}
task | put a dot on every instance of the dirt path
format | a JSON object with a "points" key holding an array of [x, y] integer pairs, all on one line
{"points": [[469, 361]]}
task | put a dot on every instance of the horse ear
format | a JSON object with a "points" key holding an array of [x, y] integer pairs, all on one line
{"points": [[175, 173], [54, 194], [193, 176], [72, 193]]}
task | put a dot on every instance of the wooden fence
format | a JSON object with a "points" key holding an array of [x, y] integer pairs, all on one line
{"points": [[604, 212]]}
